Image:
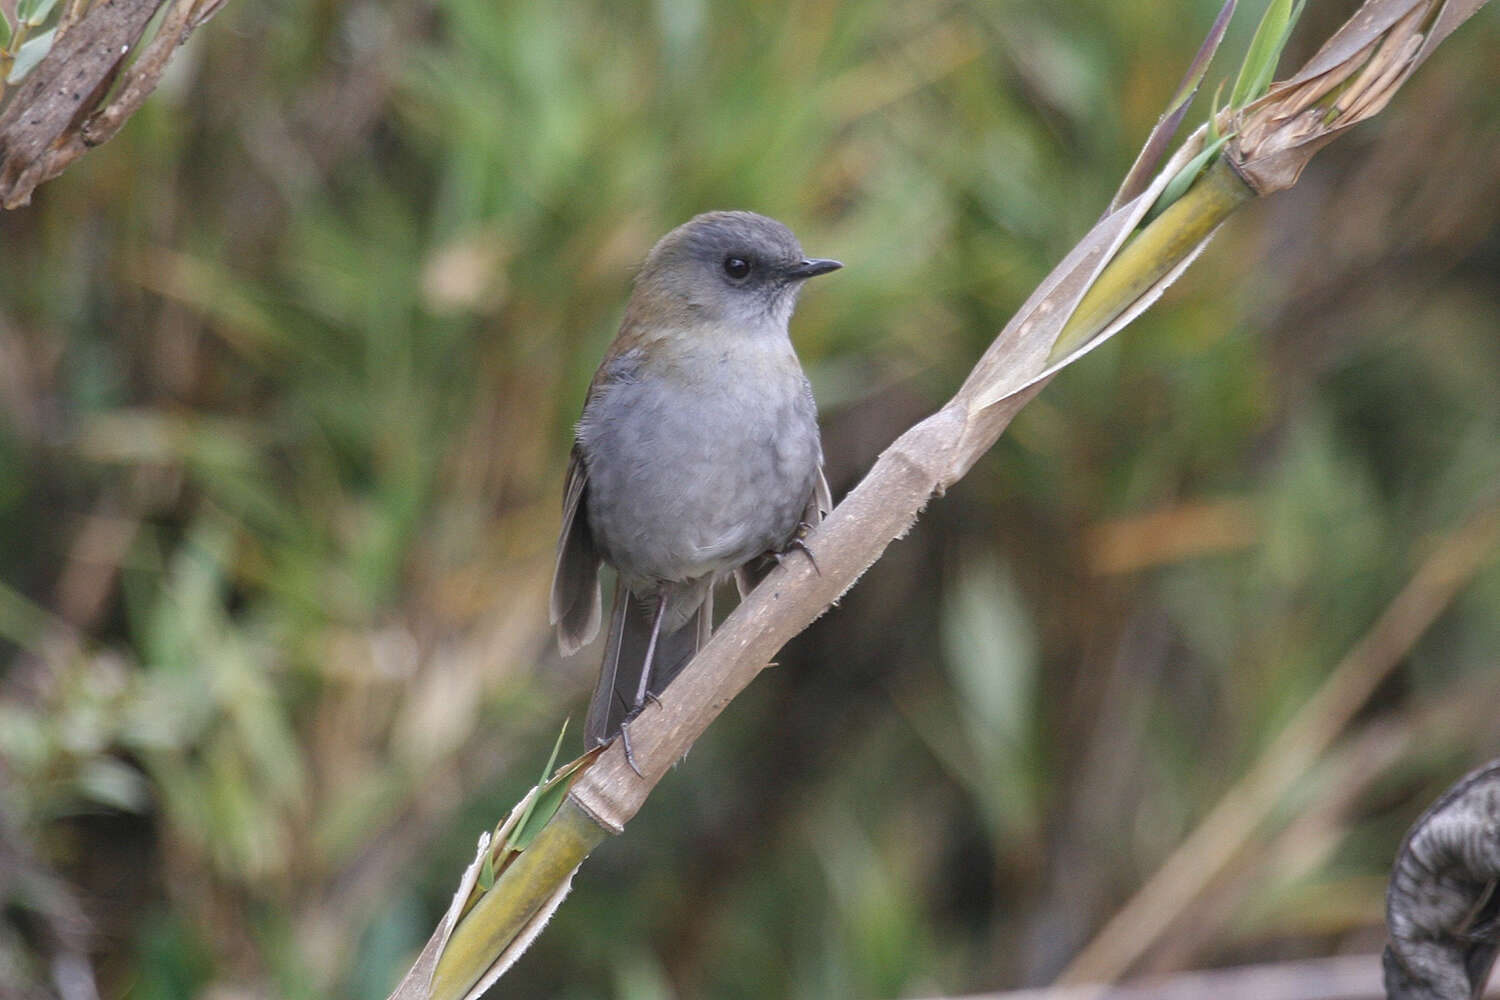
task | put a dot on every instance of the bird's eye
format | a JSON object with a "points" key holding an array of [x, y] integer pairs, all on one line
{"points": [[737, 268]]}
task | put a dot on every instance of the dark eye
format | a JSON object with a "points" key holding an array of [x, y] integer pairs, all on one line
{"points": [[737, 268]]}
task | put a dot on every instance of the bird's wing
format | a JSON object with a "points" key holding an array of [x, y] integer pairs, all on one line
{"points": [[576, 600]]}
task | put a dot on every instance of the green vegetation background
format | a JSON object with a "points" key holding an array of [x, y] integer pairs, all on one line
{"points": [[288, 372]]}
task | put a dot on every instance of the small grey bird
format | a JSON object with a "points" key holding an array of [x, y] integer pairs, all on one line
{"points": [[697, 456]]}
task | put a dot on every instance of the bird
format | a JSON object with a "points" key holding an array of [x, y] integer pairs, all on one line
{"points": [[697, 456]]}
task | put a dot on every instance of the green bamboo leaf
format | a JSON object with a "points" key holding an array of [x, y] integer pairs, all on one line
{"points": [[1213, 113], [513, 835], [512, 841], [1265, 51], [487, 873], [549, 795], [543, 809], [6, 34], [1268, 71]]}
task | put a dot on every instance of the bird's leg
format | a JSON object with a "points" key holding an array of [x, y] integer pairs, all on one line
{"points": [[642, 691]]}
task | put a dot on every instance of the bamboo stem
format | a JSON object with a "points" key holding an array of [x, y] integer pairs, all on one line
{"points": [[1154, 251], [503, 913]]}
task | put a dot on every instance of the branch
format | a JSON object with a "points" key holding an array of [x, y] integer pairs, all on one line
{"points": [[1110, 277], [52, 119]]}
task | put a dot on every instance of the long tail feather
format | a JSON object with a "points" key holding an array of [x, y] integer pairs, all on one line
{"points": [[625, 656]]}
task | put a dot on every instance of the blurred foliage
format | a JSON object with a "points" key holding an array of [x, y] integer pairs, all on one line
{"points": [[288, 372]]}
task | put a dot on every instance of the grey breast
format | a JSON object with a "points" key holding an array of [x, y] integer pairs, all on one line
{"points": [[694, 479]]}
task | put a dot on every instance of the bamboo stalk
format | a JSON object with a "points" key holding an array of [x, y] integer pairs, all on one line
{"points": [[1153, 252], [504, 912]]}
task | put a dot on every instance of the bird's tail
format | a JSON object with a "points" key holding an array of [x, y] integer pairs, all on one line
{"points": [[625, 657]]}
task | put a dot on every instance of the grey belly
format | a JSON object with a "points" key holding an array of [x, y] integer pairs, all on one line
{"points": [[680, 488]]}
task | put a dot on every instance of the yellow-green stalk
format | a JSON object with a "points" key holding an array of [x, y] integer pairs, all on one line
{"points": [[501, 914], [1153, 252]]}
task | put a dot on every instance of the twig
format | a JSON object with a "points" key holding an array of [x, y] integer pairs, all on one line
{"points": [[51, 120]]}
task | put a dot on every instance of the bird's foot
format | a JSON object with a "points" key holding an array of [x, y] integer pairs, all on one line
{"points": [[630, 717], [629, 757], [799, 544]]}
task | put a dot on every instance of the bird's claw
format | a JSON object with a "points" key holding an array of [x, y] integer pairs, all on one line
{"points": [[629, 757], [631, 716], [799, 544]]}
